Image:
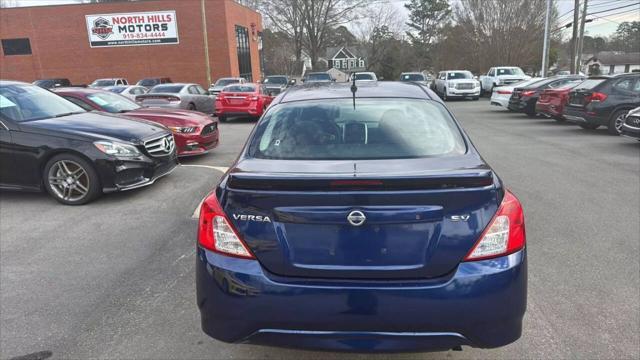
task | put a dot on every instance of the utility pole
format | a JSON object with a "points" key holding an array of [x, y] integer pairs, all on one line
{"points": [[581, 43], [206, 41], [574, 40], [545, 42]]}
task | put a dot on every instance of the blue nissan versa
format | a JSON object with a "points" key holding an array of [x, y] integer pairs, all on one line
{"points": [[361, 219]]}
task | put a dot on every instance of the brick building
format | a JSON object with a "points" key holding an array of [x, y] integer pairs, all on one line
{"points": [[84, 42]]}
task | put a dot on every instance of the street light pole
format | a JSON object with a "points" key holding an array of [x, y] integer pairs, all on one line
{"points": [[581, 43], [206, 41], [545, 42]]}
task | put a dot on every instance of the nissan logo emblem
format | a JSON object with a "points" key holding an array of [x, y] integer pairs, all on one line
{"points": [[356, 218]]}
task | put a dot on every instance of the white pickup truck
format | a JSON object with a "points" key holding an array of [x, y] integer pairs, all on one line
{"points": [[501, 75]]}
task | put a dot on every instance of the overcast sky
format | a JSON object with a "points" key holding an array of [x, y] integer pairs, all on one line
{"points": [[604, 23]]}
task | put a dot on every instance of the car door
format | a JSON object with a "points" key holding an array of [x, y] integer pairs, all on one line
{"points": [[442, 79], [206, 102]]}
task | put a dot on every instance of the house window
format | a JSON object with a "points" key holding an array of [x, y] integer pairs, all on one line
{"points": [[16, 46], [244, 53]]}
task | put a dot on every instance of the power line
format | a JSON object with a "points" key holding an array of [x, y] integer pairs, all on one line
{"points": [[619, 7]]}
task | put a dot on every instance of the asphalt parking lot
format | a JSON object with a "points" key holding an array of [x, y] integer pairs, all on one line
{"points": [[115, 278]]}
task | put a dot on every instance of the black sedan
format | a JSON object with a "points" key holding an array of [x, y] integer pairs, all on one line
{"points": [[523, 99], [603, 101], [49, 142]]}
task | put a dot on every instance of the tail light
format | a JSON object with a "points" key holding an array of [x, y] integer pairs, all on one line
{"points": [[528, 93], [505, 233], [216, 233], [504, 92], [595, 97]]}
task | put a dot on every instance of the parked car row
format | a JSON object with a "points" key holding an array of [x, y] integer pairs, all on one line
{"points": [[588, 102], [77, 143]]}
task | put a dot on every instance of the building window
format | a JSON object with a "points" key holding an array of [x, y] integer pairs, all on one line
{"points": [[244, 53], [16, 46]]}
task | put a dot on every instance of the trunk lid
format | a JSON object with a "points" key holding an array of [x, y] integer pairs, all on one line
{"points": [[419, 224], [236, 99]]}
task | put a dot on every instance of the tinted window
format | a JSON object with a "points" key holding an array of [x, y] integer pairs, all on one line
{"points": [[29, 102], [412, 77], [280, 80], [16, 46], [240, 88], [321, 77], [148, 82], [376, 129], [459, 75], [171, 89], [112, 103], [590, 83], [364, 77], [624, 84]]}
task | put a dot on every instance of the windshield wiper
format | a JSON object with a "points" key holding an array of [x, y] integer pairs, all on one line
{"points": [[69, 113]]}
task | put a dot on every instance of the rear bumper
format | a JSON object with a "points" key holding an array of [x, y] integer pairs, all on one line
{"points": [[480, 304], [527, 105], [500, 101], [583, 116]]}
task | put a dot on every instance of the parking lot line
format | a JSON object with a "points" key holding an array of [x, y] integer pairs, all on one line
{"points": [[223, 169]]}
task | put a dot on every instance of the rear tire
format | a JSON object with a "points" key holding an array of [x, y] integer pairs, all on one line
{"points": [[71, 180], [476, 98], [589, 126], [444, 95], [559, 119], [191, 107], [616, 121], [531, 114]]}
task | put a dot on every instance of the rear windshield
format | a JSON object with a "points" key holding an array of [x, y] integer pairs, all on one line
{"points": [[590, 83], [103, 83], [412, 77], [510, 71], [318, 77], [364, 77], [117, 89], [225, 82], [459, 75], [240, 88], [148, 82], [376, 129], [275, 80], [170, 89]]}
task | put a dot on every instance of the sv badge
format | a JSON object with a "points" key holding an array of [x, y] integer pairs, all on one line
{"points": [[460, 217]]}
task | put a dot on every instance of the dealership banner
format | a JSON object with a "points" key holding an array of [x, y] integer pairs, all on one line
{"points": [[131, 29]]}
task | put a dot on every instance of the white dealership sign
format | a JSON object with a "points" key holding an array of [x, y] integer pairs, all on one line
{"points": [[131, 29]]}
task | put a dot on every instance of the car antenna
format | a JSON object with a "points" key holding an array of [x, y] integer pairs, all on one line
{"points": [[354, 89]]}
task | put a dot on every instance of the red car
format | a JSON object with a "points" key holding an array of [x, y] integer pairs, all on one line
{"points": [[552, 101], [242, 100], [194, 132]]}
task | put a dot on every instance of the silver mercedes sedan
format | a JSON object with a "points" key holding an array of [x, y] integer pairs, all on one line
{"points": [[178, 96]]}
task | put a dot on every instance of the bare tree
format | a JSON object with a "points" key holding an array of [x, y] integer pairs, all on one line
{"points": [[322, 16], [286, 16], [493, 32], [376, 33]]}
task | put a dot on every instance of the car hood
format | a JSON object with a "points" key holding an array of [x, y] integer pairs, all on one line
{"points": [[169, 117], [98, 126]]}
